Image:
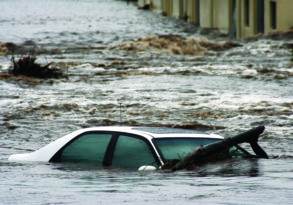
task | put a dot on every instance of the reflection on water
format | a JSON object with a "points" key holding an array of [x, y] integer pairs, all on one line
{"points": [[225, 92]]}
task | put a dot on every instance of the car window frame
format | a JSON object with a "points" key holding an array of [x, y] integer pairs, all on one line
{"points": [[109, 153], [148, 143], [57, 156], [154, 141]]}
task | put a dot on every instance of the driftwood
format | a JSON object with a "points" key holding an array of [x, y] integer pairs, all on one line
{"points": [[27, 66], [219, 151]]}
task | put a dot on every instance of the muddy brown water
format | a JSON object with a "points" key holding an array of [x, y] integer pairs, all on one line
{"points": [[223, 92]]}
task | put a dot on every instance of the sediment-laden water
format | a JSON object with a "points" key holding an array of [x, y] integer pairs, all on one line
{"points": [[225, 91]]}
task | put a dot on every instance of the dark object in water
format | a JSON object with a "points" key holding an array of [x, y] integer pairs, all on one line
{"points": [[145, 7], [219, 150], [27, 66]]}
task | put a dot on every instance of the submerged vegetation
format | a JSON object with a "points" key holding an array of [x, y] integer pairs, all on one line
{"points": [[27, 66]]}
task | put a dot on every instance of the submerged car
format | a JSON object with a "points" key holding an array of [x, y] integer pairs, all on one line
{"points": [[127, 147]]}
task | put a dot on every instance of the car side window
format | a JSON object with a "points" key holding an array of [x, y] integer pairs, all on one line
{"points": [[131, 152], [178, 148], [90, 147]]}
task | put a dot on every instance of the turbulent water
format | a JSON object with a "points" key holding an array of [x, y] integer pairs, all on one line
{"points": [[225, 92]]}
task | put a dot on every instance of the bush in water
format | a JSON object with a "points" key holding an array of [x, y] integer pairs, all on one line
{"points": [[27, 66]]}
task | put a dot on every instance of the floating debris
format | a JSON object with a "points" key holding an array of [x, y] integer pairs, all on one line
{"points": [[220, 151], [27, 66]]}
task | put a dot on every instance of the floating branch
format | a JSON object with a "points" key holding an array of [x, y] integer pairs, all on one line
{"points": [[219, 151]]}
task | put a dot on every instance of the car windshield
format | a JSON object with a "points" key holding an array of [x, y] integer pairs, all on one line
{"points": [[178, 148]]}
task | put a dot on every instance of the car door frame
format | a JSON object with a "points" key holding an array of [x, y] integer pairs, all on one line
{"points": [[112, 146], [57, 156], [109, 153]]}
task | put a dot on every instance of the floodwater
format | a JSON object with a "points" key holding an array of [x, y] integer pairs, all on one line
{"points": [[224, 92]]}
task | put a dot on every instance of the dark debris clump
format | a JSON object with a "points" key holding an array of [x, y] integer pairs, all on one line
{"points": [[27, 66]]}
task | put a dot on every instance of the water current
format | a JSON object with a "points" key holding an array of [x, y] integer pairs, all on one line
{"points": [[223, 92]]}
